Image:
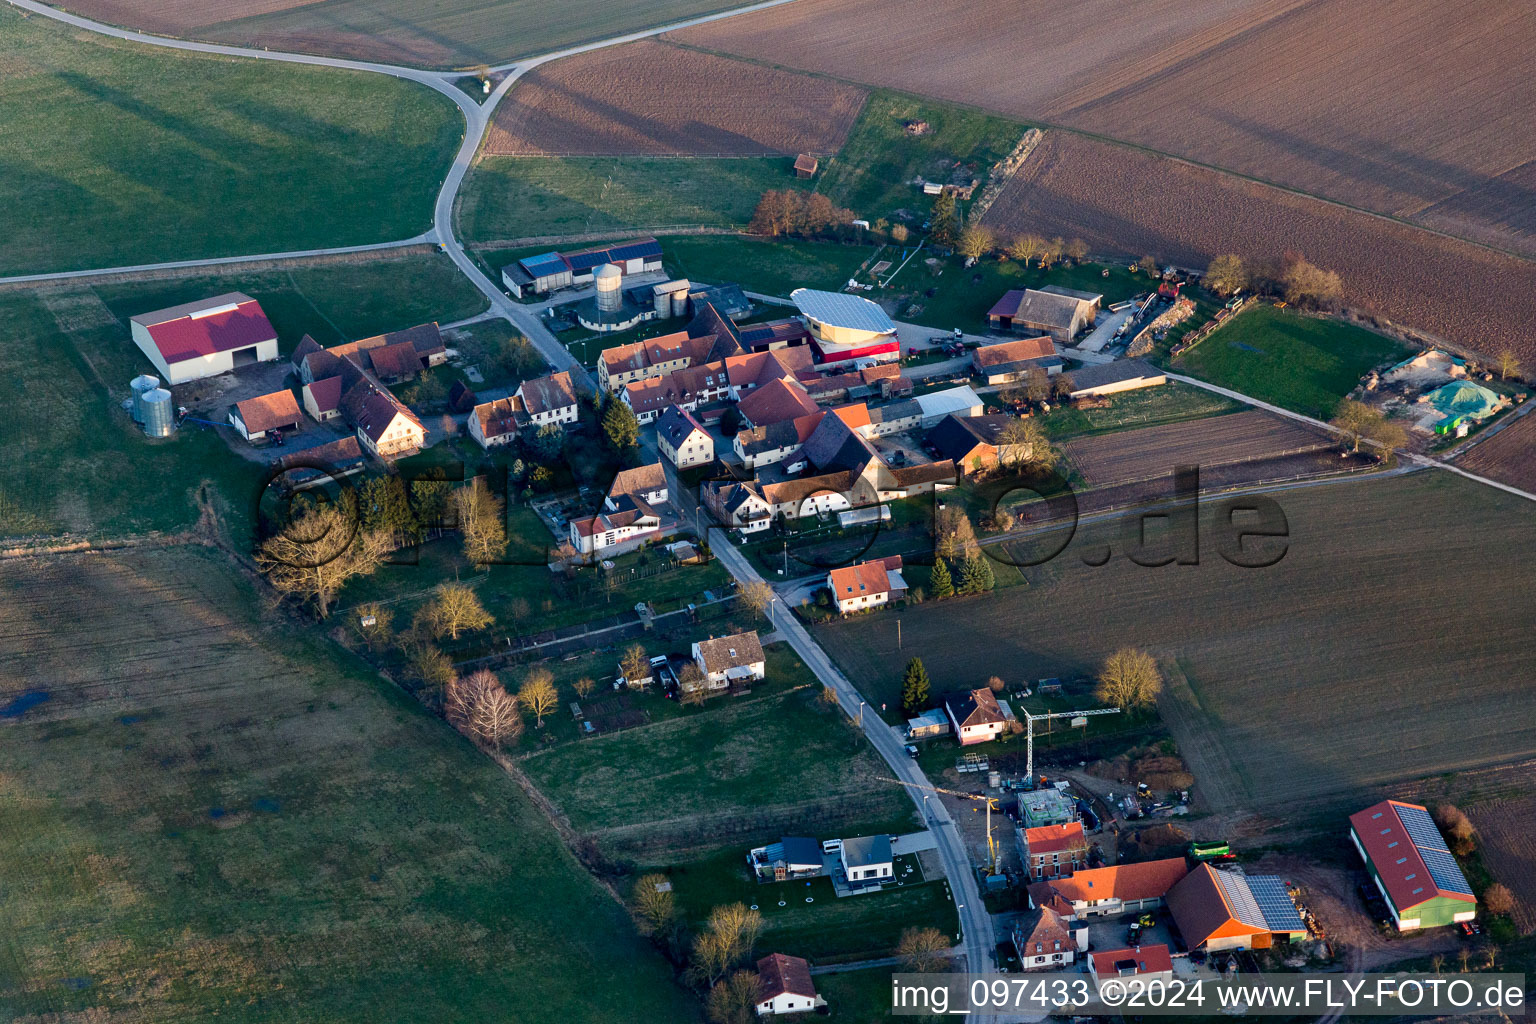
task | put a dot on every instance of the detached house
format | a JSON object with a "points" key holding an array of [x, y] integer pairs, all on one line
{"points": [[784, 986], [385, 427], [1043, 941], [1147, 965], [867, 861], [975, 715], [631, 511], [730, 659], [493, 424], [867, 585], [683, 440], [547, 400], [1052, 851]]}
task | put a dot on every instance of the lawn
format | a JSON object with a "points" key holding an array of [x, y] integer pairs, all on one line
{"points": [[858, 997], [214, 815], [1304, 678], [76, 464], [768, 267], [738, 765], [510, 198], [1173, 402], [1303, 363], [872, 174], [122, 154], [963, 296]]}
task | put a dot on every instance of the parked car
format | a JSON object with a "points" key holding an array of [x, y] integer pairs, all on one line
{"points": [[911, 750]]}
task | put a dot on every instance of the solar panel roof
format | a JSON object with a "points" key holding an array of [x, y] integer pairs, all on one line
{"points": [[1279, 910], [543, 264], [841, 310], [1425, 835]]}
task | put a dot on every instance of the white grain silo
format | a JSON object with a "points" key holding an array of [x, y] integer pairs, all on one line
{"points": [[680, 301], [141, 385], [610, 294], [159, 414]]}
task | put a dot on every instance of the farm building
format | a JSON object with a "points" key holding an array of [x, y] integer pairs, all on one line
{"points": [[1217, 910], [257, 417], [806, 165], [847, 328], [631, 511], [1043, 940], [974, 715], [1051, 851], [551, 271], [1011, 361], [784, 985], [205, 338], [1412, 866], [928, 725], [728, 299], [960, 401], [1146, 964], [1041, 807], [867, 584], [1109, 378], [322, 399], [682, 440], [790, 857], [1109, 891], [895, 418], [1059, 312], [728, 660], [972, 443], [867, 862], [388, 357]]}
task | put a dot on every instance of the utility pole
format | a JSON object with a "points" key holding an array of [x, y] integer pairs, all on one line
{"points": [[1029, 732], [898, 634]]}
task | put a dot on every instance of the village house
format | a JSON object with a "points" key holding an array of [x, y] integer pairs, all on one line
{"points": [[205, 338], [385, 427], [682, 440], [632, 511], [398, 355], [738, 504], [1043, 941], [730, 660], [537, 402], [764, 446], [974, 443], [1052, 851], [322, 399], [784, 986], [1012, 361], [1059, 312], [1143, 965], [493, 423], [867, 584], [974, 715], [777, 401], [257, 417], [1110, 891]]}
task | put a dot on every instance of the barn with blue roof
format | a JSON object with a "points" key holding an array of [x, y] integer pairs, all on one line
{"points": [[551, 271]]}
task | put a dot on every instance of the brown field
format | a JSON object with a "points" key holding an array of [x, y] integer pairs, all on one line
{"points": [[1122, 200], [1507, 830], [1508, 456], [650, 99], [1250, 86], [1135, 455]]}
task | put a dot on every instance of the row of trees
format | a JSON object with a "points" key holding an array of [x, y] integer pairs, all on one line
{"points": [[1039, 387], [715, 956], [975, 242], [1130, 678], [803, 214], [1294, 278]]}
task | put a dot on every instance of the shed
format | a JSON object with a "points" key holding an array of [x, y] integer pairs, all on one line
{"points": [[805, 166]]}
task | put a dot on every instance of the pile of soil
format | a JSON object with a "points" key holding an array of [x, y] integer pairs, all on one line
{"points": [[1152, 843]]}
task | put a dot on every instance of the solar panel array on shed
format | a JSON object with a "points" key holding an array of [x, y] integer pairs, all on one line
{"points": [[1275, 903], [1431, 845], [544, 264]]}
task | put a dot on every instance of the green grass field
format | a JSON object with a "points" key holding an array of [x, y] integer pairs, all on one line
{"points": [[767, 267], [872, 174], [1304, 363], [124, 155], [509, 198], [77, 464], [212, 816], [1397, 609], [857, 997], [1147, 407]]}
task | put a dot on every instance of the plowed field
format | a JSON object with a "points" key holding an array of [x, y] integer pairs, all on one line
{"points": [[1508, 456], [1128, 201], [650, 99], [1135, 455]]}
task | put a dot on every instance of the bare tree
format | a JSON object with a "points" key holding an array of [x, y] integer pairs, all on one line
{"points": [[1148, 265], [635, 665], [480, 706], [432, 668], [1354, 419], [482, 522], [727, 939], [690, 685], [1508, 363], [456, 608], [996, 684], [1497, 899], [584, 686], [733, 999], [518, 610], [756, 596], [1022, 443], [1077, 249], [975, 242], [954, 536], [1037, 384], [317, 553], [1458, 829], [1025, 248], [899, 233], [654, 908], [1226, 274], [1129, 679], [375, 623], [538, 695], [1051, 251], [1304, 284], [923, 950]]}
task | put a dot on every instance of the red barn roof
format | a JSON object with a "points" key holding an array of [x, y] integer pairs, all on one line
{"points": [[220, 324]]}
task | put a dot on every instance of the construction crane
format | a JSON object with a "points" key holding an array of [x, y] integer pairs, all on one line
{"points": [[989, 801], [1029, 730]]}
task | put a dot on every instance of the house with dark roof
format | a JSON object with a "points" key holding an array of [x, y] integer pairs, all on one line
{"points": [[257, 417], [867, 585], [784, 985], [973, 443], [551, 271], [765, 446], [1412, 866], [322, 399], [730, 660], [1011, 361], [1043, 941], [395, 362], [739, 504], [867, 862], [975, 715], [1060, 312], [682, 440], [1220, 910], [790, 857], [205, 338], [385, 427]]}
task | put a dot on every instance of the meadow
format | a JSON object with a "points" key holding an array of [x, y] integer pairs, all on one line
{"points": [[1330, 673], [1302, 363], [119, 154], [205, 812]]}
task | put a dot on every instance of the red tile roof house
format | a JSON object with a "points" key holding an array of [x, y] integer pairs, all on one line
{"points": [[257, 417], [1146, 964], [784, 986], [631, 512], [1109, 891], [974, 715], [205, 338], [494, 423], [1052, 851], [1043, 941], [322, 399], [867, 585], [1012, 360]]}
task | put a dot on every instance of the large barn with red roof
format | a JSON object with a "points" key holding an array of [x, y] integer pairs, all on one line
{"points": [[205, 338], [1412, 866]]}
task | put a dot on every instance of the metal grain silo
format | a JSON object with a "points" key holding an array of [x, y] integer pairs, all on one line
{"points": [[141, 385], [610, 283], [159, 414]]}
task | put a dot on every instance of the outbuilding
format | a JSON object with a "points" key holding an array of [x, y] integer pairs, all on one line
{"points": [[205, 338], [258, 417], [1412, 866]]}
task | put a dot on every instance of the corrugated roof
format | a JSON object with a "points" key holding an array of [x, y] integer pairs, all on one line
{"points": [[1099, 374], [841, 310], [1410, 855], [951, 401]]}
